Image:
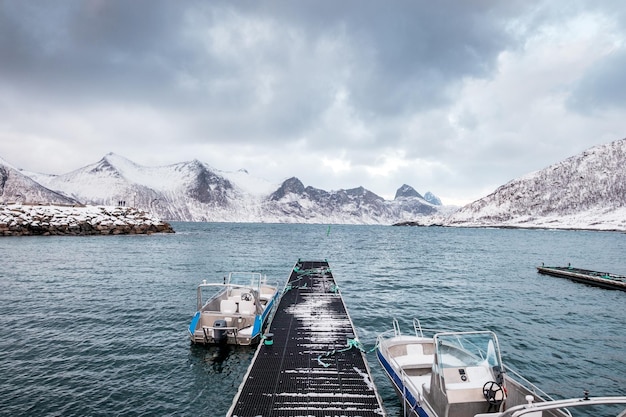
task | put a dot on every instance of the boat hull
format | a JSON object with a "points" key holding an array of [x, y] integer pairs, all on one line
{"points": [[203, 330], [412, 404], [236, 310], [417, 379]]}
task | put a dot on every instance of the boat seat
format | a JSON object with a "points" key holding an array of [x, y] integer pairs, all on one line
{"points": [[228, 306], [247, 307], [415, 358], [414, 349], [413, 362]]}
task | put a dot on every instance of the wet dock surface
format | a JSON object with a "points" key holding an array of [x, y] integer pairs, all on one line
{"points": [[313, 366]]}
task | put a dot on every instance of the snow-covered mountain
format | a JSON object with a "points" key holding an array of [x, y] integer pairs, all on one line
{"points": [[586, 191], [187, 191], [194, 191], [16, 187], [297, 203]]}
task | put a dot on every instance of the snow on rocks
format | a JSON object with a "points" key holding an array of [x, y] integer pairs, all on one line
{"points": [[25, 220]]}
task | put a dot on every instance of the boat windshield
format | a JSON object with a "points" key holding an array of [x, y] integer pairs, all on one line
{"points": [[234, 282], [456, 350], [245, 279]]}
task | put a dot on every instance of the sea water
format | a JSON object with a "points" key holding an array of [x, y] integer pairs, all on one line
{"points": [[97, 326]]}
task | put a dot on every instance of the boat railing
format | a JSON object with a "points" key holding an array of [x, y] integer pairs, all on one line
{"points": [[409, 387], [384, 335], [418, 329], [417, 326], [532, 387], [524, 409], [396, 327], [433, 332]]}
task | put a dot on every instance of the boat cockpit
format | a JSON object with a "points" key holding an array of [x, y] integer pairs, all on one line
{"points": [[467, 374], [233, 309]]}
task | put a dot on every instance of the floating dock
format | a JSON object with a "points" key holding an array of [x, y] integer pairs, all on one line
{"points": [[595, 278], [310, 363]]}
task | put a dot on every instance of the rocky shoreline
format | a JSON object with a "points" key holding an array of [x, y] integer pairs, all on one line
{"points": [[40, 220]]}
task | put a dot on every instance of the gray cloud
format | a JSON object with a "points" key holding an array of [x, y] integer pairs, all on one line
{"points": [[603, 86], [462, 95]]}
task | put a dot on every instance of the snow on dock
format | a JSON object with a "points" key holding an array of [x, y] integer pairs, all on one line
{"points": [[310, 363]]}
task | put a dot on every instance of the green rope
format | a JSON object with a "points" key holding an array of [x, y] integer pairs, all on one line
{"points": [[302, 273], [351, 343], [290, 287]]}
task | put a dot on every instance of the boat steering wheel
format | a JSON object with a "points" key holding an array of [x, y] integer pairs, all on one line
{"points": [[246, 296], [493, 392]]}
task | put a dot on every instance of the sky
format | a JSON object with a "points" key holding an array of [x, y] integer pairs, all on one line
{"points": [[452, 97]]}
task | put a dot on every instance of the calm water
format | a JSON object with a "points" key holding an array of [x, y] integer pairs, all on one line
{"points": [[97, 325]]}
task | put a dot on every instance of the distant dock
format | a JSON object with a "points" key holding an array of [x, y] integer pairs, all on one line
{"points": [[586, 276], [313, 364]]}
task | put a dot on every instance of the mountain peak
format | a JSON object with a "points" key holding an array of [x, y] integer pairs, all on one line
{"points": [[407, 191], [290, 186], [120, 161], [432, 199]]}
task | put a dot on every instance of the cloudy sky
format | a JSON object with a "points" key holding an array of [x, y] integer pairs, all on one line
{"points": [[452, 97]]}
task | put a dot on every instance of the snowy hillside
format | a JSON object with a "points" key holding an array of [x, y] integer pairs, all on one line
{"points": [[194, 191], [187, 191], [586, 191], [16, 187]]}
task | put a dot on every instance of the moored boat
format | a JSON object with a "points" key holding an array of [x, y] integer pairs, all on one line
{"points": [[586, 276], [461, 374], [236, 309]]}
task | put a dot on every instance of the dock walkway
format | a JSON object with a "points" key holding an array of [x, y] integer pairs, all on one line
{"points": [[586, 276], [314, 365]]}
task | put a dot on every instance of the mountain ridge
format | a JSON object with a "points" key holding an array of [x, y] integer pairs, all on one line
{"points": [[194, 191], [584, 191]]}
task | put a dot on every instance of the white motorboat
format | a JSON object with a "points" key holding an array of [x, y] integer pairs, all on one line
{"points": [[460, 374], [235, 311]]}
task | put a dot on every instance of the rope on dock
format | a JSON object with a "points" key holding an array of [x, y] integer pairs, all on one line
{"points": [[352, 343], [290, 287]]}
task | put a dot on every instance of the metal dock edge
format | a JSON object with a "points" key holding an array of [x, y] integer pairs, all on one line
{"points": [[597, 279], [313, 366]]}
